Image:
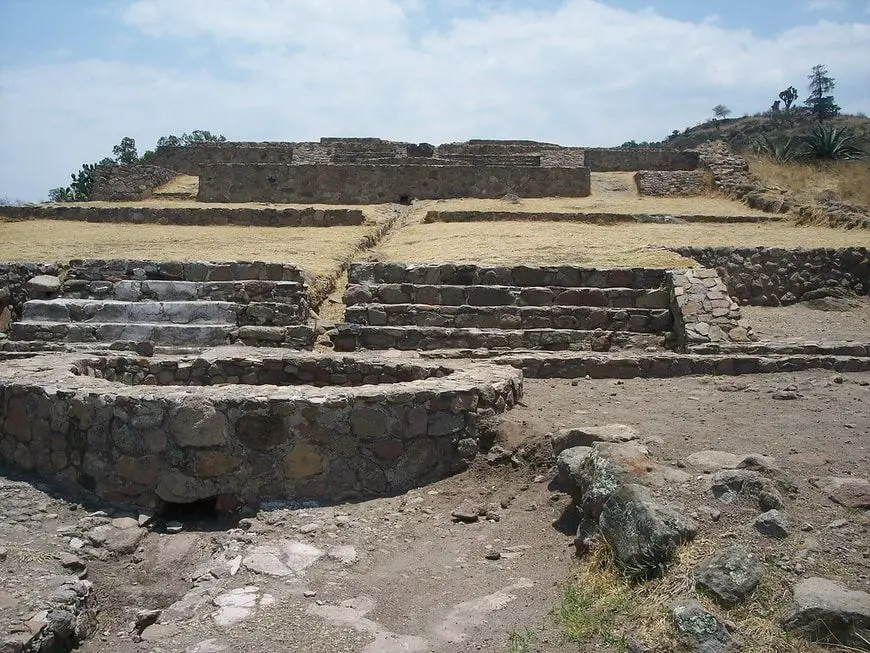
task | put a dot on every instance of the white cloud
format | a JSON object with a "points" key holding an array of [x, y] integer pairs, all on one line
{"points": [[825, 5], [585, 74]]}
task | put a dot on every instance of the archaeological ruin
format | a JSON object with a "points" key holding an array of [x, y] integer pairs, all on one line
{"points": [[160, 383]]}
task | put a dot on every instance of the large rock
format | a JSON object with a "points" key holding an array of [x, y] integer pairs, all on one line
{"points": [[603, 471], [643, 532], [829, 612], [569, 466], [848, 492], [772, 523], [730, 575], [711, 460], [586, 436], [701, 631], [730, 485]]}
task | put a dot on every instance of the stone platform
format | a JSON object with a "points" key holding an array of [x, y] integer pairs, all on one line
{"points": [[238, 426]]}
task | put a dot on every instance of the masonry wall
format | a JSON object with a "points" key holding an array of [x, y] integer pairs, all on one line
{"points": [[671, 183], [633, 159], [125, 182], [770, 276], [13, 288], [188, 159], [374, 184]]}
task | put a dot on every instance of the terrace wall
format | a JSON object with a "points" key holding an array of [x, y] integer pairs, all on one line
{"points": [[375, 184], [634, 159]]}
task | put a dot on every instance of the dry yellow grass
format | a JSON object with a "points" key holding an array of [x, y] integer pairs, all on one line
{"points": [[372, 212], [612, 192], [586, 244], [319, 251], [846, 180], [181, 185]]}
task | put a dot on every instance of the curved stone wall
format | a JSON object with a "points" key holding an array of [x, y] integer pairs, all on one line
{"points": [[239, 429]]}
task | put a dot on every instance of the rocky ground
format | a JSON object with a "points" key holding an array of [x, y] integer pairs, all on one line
{"points": [[476, 562]]}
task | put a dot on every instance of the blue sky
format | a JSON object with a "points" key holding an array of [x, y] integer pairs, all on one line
{"points": [[77, 76]]}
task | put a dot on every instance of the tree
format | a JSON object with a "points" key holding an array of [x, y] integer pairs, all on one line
{"points": [[721, 111], [788, 97], [125, 152], [820, 102], [60, 194], [196, 136]]}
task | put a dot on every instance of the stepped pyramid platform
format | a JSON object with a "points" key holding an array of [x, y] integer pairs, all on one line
{"points": [[171, 305]]}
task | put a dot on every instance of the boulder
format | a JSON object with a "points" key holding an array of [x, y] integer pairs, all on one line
{"points": [[643, 532], [569, 466], [829, 612], [772, 523], [604, 470], [730, 485], [730, 575], [701, 631], [848, 492], [586, 436], [711, 460]]}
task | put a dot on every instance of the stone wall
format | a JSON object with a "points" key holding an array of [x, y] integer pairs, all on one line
{"points": [[634, 159], [189, 158], [347, 184], [125, 182], [703, 311], [246, 216], [731, 175], [667, 183], [141, 433], [13, 288], [770, 276]]}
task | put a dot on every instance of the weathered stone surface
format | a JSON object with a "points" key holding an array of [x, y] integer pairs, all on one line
{"points": [[569, 465], [772, 523], [730, 575], [733, 484], [44, 283], [712, 461], [701, 631], [643, 532], [850, 492], [586, 436], [603, 471], [828, 611], [196, 423]]}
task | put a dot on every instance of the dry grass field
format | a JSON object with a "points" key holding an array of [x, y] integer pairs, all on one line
{"points": [[318, 250], [846, 180], [586, 244]]}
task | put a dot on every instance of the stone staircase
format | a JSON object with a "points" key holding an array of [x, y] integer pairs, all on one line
{"points": [[427, 307], [171, 305]]}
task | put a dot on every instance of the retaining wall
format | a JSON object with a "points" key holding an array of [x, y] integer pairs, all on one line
{"points": [[126, 182], [13, 288], [361, 183], [256, 217], [189, 158], [634, 159], [666, 183], [142, 433], [770, 276]]}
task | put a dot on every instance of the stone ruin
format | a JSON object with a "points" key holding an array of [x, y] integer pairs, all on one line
{"points": [[371, 170]]}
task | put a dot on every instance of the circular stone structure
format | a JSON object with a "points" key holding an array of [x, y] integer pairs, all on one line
{"points": [[238, 428]]}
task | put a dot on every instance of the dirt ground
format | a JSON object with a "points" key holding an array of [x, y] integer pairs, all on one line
{"points": [[807, 321], [416, 580]]}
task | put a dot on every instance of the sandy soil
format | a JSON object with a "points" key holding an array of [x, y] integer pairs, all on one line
{"points": [[803, 322]]}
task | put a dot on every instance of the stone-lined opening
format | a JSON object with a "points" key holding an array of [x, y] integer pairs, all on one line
{"points": [[311, 371], [237, 443]]}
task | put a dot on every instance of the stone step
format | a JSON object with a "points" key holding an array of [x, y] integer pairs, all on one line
{"points": [[520, 275], [449, 295], [169, 312], [350, 337], [116, 269], [112, 311], [241, 292], [575, 365], [640, 320], [184, 335]]}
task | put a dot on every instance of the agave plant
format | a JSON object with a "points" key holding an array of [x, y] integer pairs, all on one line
{"points": [[830, 144], [780, 150]]}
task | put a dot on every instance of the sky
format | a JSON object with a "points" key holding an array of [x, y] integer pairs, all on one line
{"points": [[76, 76]]}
